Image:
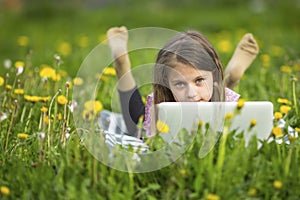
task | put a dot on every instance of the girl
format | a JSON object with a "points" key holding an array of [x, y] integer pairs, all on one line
{"points": [[187, 69]]}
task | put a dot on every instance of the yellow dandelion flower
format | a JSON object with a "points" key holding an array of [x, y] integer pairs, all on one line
{"points": [[253, 122], [297, 129], [94, 106], [44, 109], [265, 59], [277, 184], [59, 116], [277, 132], [88, 115], [83, 41], [103, 38], [22, 136], [285, 109], [109, 71], [162, 127], [240, 103], [283, 101], [8, 87], [212, 197], [296, 67], [19, 91], [224, 46], [4, 190], [286, 69], [292, 138], [64, 48], [183, 172], [252, 192], [45, 99], [1, 81], [31, 98], [56, 77], [78, 81], [228, 115], [19, 64], [47, 71], [46, 119], [277, 115], [200, 123], [23, 41], [61, 99]]}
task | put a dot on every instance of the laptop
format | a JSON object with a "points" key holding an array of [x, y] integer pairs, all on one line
{"points": [[187, 115]]}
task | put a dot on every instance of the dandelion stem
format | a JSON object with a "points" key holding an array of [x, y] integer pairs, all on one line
{"points": [[49, 114], [294, 94]]}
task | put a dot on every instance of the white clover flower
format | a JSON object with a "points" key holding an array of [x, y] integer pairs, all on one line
{"points": [[3, 116], [19, 71], [41, 135], [7, 63], [72, 106]]}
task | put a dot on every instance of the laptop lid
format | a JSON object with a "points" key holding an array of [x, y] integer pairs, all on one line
{"points": [[178, 115]]}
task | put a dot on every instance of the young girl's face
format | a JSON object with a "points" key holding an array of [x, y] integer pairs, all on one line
{"points": [[189, 84]]}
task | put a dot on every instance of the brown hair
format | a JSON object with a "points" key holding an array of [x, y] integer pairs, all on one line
{"points": [[193, 49]]}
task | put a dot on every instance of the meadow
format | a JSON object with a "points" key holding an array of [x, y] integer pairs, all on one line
{"points": [[42, 154]]}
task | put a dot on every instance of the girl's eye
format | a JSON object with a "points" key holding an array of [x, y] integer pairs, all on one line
{"points": [[200, 80], [179, 84]]}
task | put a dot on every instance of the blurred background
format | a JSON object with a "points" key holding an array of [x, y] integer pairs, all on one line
{"points": [[73, 28]]}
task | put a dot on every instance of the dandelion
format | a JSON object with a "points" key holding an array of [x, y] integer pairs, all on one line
{"points": [[265, 59], [228, 115], [285, 109], [47, 72], [277, 115], [277, 132], [56, 77], [211, 196], [19, 64], [83, 41], [200, 123], [297, 129], [283, 101], [19, 91], [64, 48], [4, 190], [46, 119], [59, 116], [78, 81], [94, 106], [109, 71], [8, 87], [253, 122], [1, 81], [45, 99], [44, 109], [61, 99], [23, 41], [252, 192], [224, 46], [22, 136], [88, 115], [277, 184], [32, 99], [162, 127], [286, 69], [240, 103], [103, 38]]}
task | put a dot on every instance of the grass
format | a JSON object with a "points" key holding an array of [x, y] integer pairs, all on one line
{"points": [[42, 153]]}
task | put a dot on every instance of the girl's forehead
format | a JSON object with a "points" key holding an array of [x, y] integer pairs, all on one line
{"points": [[185, 69]]}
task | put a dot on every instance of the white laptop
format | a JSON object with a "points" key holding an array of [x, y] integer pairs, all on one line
{"points": [[178, 115]]}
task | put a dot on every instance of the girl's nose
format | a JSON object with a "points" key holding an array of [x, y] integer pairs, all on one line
{"points": [[192, 92]]}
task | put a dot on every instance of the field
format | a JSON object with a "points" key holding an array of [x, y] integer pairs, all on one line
{"points": [[44, 52]]}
